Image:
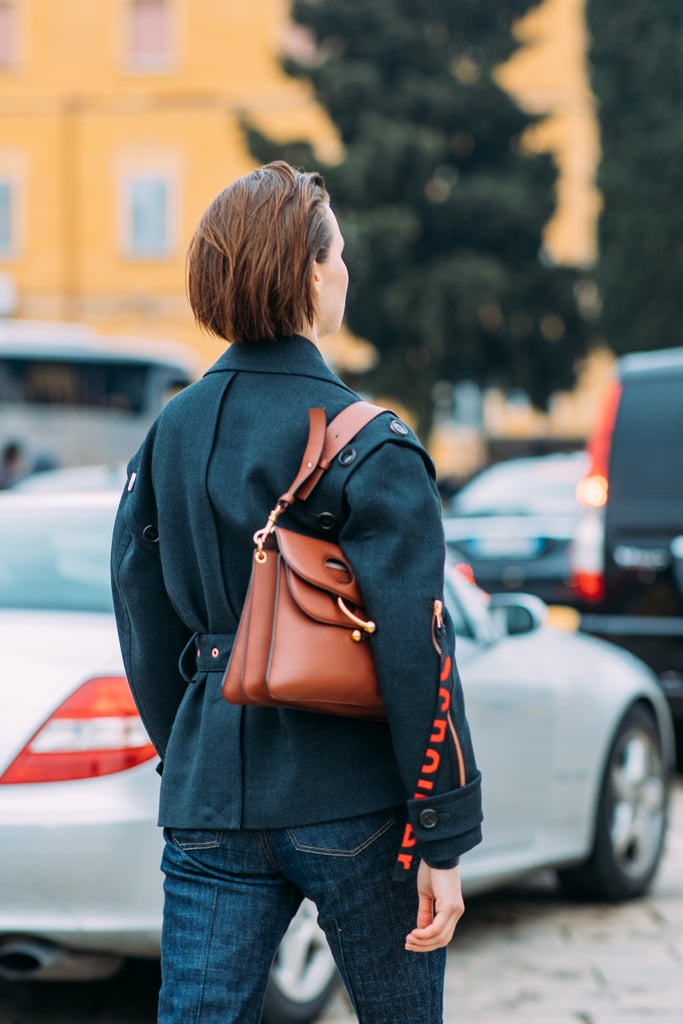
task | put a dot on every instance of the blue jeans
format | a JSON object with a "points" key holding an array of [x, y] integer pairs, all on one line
{"points": [[229, 897]]}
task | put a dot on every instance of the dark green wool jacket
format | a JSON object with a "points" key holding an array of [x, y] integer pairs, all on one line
{"points": [[211, 468]]}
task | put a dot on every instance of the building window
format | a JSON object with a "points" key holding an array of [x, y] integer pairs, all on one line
{"points": [[8, 34], [148, 216], [7, 217], [149, 44]]}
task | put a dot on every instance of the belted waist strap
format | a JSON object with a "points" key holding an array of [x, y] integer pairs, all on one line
{"points": [[213, 651], [206, 652]]}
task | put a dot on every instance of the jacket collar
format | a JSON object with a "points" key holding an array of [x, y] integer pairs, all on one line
{"points": [[294, 355]]}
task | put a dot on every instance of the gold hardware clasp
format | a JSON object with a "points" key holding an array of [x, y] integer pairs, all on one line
{"points": [[438, 614], [367, 625], [437, 624], [262, 535]]}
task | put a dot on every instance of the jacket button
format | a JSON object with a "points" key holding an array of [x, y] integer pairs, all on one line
{"points": [[151, 534], [398, 428], [346, 457], [326, 520], [428, 818]]}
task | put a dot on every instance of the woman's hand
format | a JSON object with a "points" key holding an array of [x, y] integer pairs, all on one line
{"points": [[440, 908]]}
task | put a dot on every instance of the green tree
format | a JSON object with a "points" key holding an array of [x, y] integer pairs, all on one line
{"points": [[636, 61], [442, 211]]}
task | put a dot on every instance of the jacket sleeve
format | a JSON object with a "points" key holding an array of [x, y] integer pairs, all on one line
{"points": [[393, 537], [151, 634]]}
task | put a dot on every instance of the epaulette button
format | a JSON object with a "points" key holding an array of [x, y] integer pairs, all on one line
{"points": [[398, 428]]}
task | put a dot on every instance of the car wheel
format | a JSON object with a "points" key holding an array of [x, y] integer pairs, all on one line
{"points": [[304, 975], [632, 816]]}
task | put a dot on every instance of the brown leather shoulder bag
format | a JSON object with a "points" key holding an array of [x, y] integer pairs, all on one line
{"points": [[303, 635]]}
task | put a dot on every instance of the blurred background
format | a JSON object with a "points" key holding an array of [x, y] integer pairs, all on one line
{"points": [[505, 175]]}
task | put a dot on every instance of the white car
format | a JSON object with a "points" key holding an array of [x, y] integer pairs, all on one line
{"points": [[573, 737]]}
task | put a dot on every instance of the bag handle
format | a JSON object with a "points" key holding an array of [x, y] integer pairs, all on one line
{"points": [[324, 443]]}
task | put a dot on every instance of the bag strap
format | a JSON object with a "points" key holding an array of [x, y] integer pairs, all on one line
{"points": [[340, 431], [324, 443], [317, 435]]}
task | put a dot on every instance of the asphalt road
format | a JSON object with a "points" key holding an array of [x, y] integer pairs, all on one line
{"points": [[521, 955]]}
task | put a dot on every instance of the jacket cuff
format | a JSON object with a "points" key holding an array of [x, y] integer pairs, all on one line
{"points": [[441, 863], [449, 824]]}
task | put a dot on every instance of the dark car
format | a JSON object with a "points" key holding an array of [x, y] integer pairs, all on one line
{"points": [[510, 527], [627, 559]]}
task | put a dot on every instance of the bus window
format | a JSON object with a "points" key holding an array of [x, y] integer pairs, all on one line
{"points": [[91, 385], [73, 397]]}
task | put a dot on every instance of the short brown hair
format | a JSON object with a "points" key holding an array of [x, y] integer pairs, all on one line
{"points": [[250, 261]]}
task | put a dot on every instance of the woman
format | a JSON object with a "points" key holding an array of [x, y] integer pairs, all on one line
{"points": [[262, 806]]}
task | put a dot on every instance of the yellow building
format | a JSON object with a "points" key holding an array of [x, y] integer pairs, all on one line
{"points": [[548, 77], [118, 123], [119, 120]]}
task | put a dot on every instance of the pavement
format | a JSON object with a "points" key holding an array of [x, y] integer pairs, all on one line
{"points": [[528, 955]]}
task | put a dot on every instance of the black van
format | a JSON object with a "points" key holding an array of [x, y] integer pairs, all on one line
{"points": [[627, 555]]}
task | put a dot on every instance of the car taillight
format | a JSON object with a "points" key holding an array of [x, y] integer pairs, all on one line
{"points": [[96, 731], [466, 570]]}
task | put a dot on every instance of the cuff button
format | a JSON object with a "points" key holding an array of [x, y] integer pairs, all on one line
{"points": [[428, 818]]}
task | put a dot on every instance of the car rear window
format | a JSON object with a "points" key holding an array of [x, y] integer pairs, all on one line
{"points": [[55, 559], [545, 485]]}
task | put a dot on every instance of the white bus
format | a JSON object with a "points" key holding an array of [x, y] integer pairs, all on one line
{"points": [[70, 396]]}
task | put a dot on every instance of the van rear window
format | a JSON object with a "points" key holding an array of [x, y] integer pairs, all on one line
{"points": [[91, 384], [647, 445]]}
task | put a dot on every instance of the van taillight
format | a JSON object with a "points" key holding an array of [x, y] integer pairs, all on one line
{"points": [[589, 585], [591, 489], [587, 557]]}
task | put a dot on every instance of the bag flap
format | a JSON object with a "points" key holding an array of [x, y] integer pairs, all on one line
{"points": [[319, 562]]}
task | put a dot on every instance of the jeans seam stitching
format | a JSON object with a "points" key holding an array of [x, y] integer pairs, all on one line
{"points": [[343, 969], [325, 852], [198, 846], [200, 1001], [268, 852]]}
